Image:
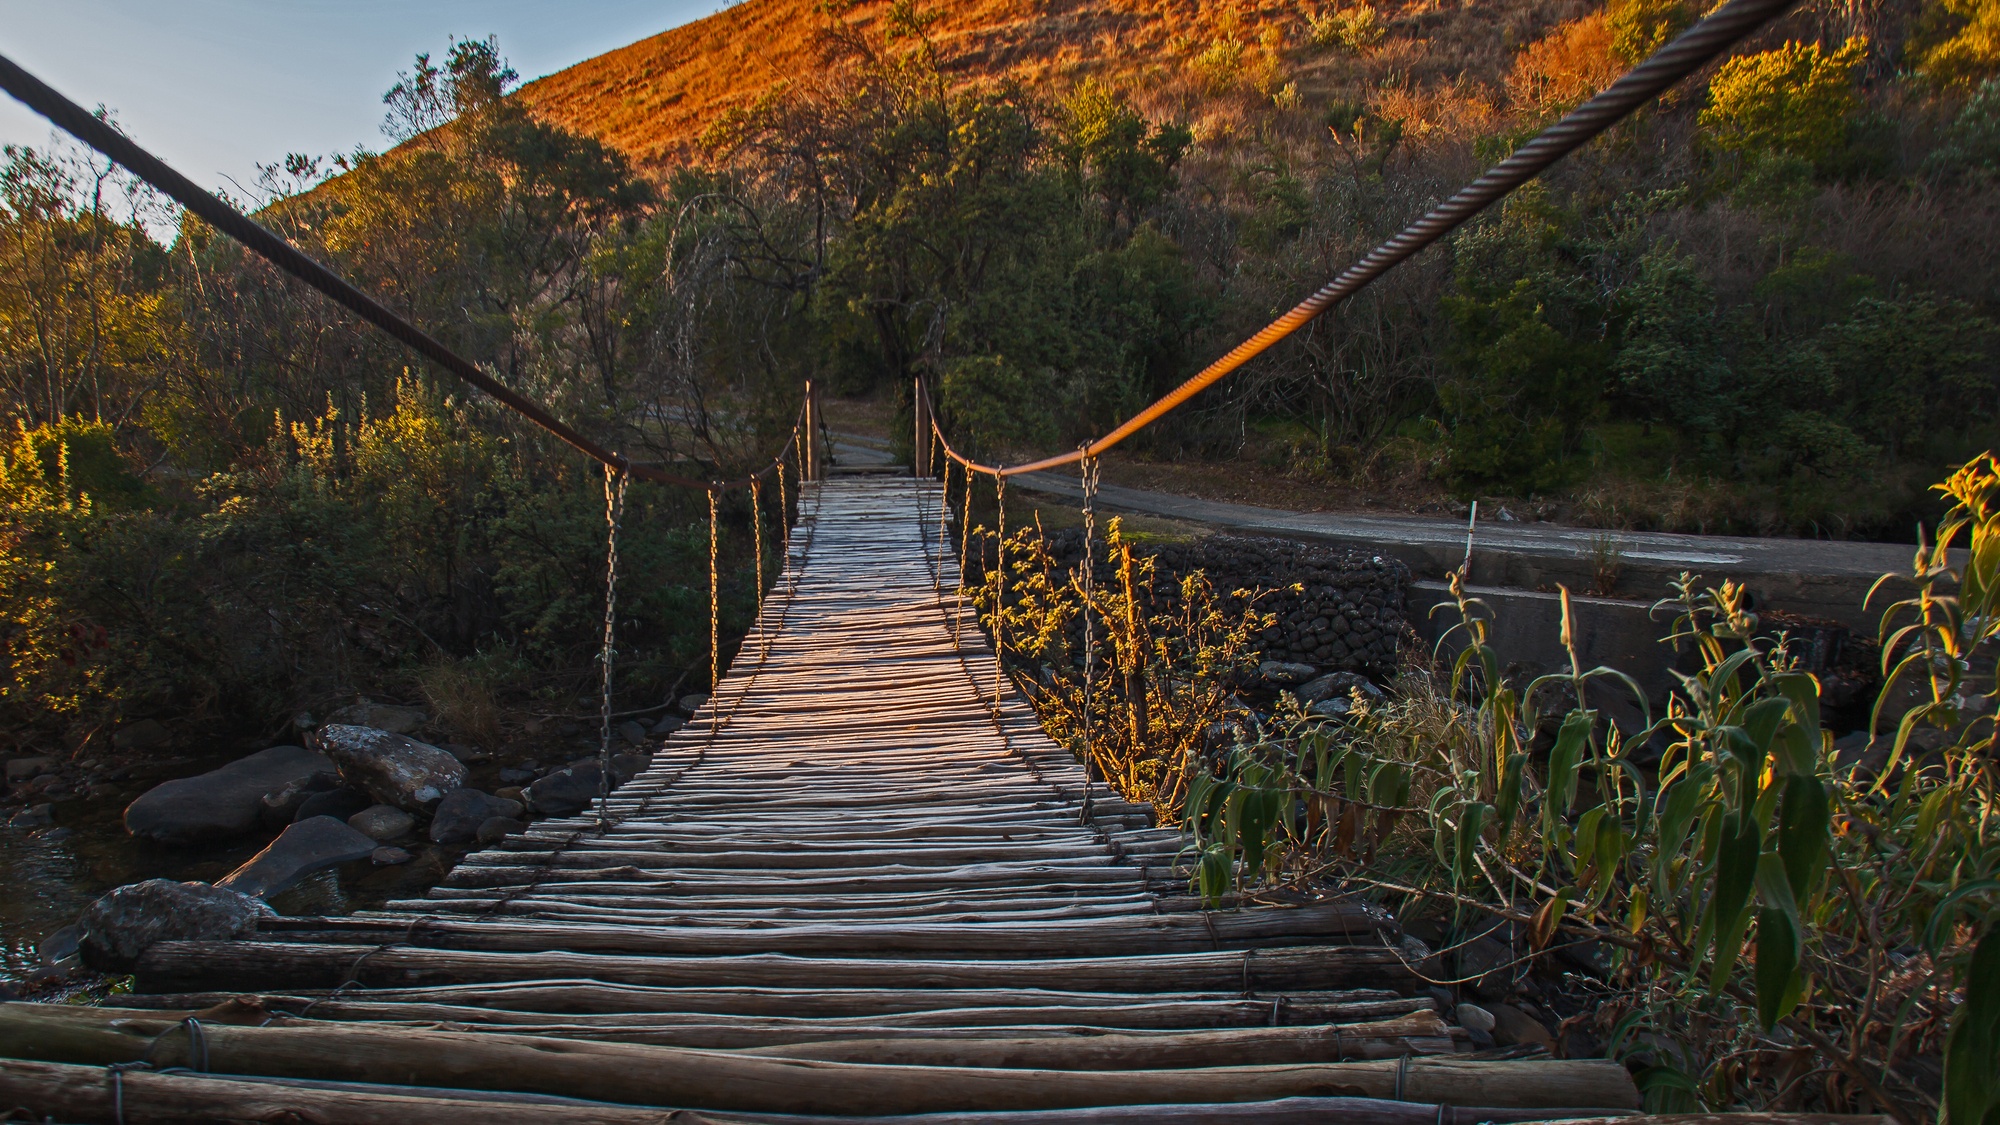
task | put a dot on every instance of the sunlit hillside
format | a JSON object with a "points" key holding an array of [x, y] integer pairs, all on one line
{"points": [[1201, 61]]}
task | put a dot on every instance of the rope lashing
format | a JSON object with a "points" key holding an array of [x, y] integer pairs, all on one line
{"points": [[614, 519]]}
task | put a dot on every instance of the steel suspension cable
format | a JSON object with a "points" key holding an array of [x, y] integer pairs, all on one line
{"points": [[1693, 49], [275, 249]]}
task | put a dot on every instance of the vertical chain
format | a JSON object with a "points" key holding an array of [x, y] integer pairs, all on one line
{"points": [[784, 521], [944, 531], [999, 584], [714, 623], [614, 516], [1089, 470], [757, 529], [964, 555]]}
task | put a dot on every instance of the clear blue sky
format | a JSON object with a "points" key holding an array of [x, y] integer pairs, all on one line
{"points": [[216, 87]]}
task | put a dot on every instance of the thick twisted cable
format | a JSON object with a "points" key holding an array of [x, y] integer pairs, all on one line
{"points": [[1665, 67], [98, 134]]}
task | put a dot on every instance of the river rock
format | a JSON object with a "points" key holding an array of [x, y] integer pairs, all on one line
{"points": [[565, 792], [1280, 673], [223, 802], [462, 811], [381, 716], [391, 768], [388, 857], [633, 732], [308, 846], [498, 828], [281, 807], [694, 702], [23, 769], [1336, 685], [382, 822], [142, 735], [669, 724], [339, 803], [116, 929], [34, 816]]}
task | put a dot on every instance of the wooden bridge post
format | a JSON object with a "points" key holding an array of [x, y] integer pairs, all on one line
{"points": [[810, 468]]}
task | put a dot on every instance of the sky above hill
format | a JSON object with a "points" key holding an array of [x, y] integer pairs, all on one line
{"points": [[216, 87]]}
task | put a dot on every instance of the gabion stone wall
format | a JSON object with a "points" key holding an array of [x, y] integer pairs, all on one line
{"points": [[1348, 614]]}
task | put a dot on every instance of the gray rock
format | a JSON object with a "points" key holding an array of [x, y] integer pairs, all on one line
{"points": [[22, 769], [142, 735], [308, 846], [470, 755], [669, 725], [61, 950], [34, 816], [462, 811], [633, 732], [565, 792], [1472, 1017], [514, 775], [381, 716], [382, 822], [573, 788], [394, 770], [499, 828], [281, 807], [224, 802], [389, 857], [1336, 685], [1280, 673], [339, 803], [1334, 708], [119, 927], [694, 702], [1514, 1027]]}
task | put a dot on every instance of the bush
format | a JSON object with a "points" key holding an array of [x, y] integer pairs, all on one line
{"points": [[1354, 29], [1793, 101]]}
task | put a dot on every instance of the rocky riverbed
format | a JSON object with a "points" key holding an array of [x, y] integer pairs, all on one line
{"points": [[348, 814]]}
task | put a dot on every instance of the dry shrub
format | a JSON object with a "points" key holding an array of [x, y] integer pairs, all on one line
{"points": [[461, 696], [1432, 116], [1559, 71]]}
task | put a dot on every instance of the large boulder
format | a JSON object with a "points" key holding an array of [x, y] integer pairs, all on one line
{"points": [[462, 811], [391, 768], [573, 788], [224, 802], [308, 846], [381, 716], [116, 929]]}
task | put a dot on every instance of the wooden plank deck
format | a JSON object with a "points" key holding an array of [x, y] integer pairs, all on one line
{"points": [[857, 883]]}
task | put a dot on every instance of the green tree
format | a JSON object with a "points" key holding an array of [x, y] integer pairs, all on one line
{"points": [[1792, 101]]}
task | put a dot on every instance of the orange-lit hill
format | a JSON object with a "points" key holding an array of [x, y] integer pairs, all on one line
{"points": [[653, 98]]}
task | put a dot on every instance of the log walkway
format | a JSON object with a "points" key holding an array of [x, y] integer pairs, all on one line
{"points": [[857, 885]]}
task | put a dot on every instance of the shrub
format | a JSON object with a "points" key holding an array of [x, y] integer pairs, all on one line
{"points": [[1354, 29], [1793, 101], [1640, 27], [1963, 48], [1561, 70]]}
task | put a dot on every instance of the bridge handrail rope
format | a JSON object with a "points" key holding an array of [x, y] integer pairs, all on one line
{"points": [[1687, 53]]}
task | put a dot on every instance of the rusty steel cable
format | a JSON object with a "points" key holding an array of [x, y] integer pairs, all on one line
{"points": [[275, 249], [1693, 49]]}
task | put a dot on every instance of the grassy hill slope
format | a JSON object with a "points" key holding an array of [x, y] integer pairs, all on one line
{"points": [[1201, 62]]}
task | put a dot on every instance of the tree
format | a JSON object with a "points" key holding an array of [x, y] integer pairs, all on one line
{"points": [[1793, 101]]}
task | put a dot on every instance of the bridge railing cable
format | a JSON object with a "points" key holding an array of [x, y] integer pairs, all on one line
{"points": [[1693, 49]]}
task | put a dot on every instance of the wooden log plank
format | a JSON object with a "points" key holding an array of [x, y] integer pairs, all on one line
{"points": [[723, 1080], [192, 965]]}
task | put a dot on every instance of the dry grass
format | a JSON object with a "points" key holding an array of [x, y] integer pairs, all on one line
{"points": [[1443, 66]]}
